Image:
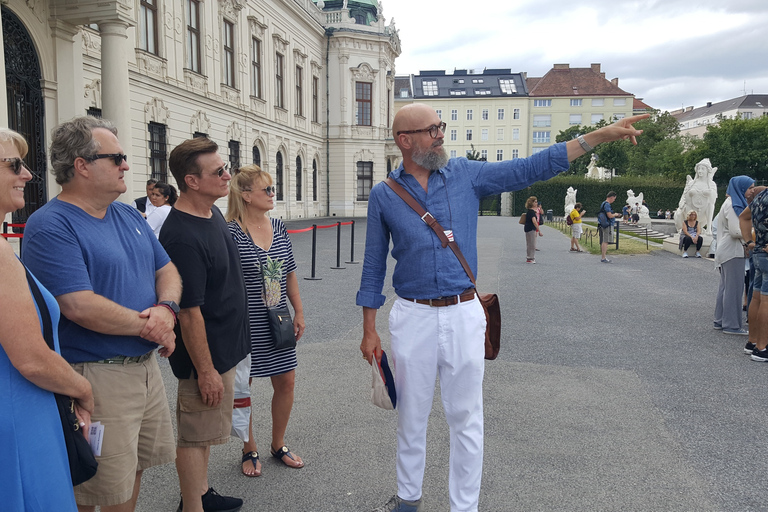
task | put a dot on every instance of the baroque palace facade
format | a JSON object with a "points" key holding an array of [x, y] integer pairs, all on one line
{"points": [[304, 89]]}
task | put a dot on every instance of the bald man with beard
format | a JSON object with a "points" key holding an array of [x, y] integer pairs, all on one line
{"points": [[437, 324]]}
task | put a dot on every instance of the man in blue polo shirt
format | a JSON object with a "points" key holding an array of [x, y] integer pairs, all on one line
{"points": [[437, 324]]}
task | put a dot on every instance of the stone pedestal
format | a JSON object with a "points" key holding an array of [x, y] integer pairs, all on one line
{"points": [[671, 245]]}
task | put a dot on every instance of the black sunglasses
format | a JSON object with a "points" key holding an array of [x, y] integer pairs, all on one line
{"points": [[269, 190], [16, 164], [432, 130], [116, 157]]}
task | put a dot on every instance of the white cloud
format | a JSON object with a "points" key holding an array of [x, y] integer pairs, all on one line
{"points": [[668, 52]]}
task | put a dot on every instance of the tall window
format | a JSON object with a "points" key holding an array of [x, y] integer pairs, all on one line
{"points": [[256, 156], [234, 156], [148, 26], [315, 99], [279, 176], [499, 133], [469, 134], [469, 114], [484, 155], [193, 35], [515, 133], [484, 134], [256, 67], [454, 134], [516, 113], [575, 102], [363, 99], [229, 53], [158, 152], [299, 91], [500, 114], [314, 180], [364, 180], [298, 178], [515, 153], [453, 153], [279, 101], [485, 114], [454, 115], [541, 137], [499, 155], [439, 113]]}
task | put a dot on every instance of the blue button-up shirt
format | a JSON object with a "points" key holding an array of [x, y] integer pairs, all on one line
{"points": [[424, 269]]}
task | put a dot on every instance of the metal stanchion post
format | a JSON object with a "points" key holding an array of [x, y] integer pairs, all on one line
{"points": [[352, 245], [338, 247], [314, 254]]}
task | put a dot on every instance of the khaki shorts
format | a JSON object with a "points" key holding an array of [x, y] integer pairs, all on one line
{"points": [[199, 424], [138, 433], [606, 234]]}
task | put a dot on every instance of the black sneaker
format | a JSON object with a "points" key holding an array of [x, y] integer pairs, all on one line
{"points": [[215, 502], [749, 348], [760, 356]]}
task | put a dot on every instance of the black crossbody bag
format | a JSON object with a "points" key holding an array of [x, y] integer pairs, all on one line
{"points": [[82, 463]]}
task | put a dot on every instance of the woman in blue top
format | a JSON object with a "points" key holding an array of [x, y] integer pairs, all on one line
{"points": [[34, 469]]}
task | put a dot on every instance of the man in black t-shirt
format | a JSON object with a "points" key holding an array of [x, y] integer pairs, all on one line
{"points": [[213, 331]]}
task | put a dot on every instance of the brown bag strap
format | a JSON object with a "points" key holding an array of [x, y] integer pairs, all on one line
{"points": [[430, 221]]}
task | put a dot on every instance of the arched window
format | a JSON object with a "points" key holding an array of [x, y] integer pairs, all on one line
{"points": [[256, 156], [314, 180], [298, 178], [279, 176]]}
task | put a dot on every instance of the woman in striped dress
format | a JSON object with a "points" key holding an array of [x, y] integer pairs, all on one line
{"points": [[263, 243]]}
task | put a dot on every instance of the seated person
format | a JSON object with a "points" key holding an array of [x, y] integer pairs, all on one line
{"points": [[691, 234]]}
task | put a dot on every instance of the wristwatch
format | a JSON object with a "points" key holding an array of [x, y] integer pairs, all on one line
{"points": [[584, 144], [172, 306]]}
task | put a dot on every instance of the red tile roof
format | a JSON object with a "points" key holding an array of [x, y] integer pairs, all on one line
{"points": [[563, 80]]}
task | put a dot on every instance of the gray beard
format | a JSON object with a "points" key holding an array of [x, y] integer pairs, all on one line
{"points": [[431, 160]]}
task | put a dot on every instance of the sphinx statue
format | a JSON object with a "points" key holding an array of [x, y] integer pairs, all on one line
{"points": [[570, 200], [699, 195]]}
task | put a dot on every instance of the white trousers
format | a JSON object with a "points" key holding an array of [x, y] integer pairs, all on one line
{"points": [[449, 342]]}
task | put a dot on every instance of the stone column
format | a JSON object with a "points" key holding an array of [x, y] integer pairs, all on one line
{"points": [[69, 69], [115, 93]]}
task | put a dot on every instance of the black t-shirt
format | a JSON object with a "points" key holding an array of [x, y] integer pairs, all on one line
{"points": [[209, 264], [529, 216]]}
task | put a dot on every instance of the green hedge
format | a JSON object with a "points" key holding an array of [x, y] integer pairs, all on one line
{"points": [[658, 192]]}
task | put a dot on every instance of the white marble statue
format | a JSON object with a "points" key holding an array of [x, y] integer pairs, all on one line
{"points": [[699, 195], [645, 216], [570, 200], [598, 173], [632, 200]]}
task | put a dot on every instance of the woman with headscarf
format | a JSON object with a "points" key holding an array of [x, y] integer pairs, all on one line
{"points": [[729, 257]]}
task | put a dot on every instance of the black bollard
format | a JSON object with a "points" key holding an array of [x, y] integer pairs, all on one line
{"points": [[352, 245], [338, 247], [314, 254]]}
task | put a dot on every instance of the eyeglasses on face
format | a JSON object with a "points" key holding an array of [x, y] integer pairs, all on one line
{"points": [[16, 164], [116, 157], [432, 130], [221, 170]]}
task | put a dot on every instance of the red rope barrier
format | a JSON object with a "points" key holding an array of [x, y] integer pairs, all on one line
{"points": [[12, 235], [347, 223], [326, 227], [300, 230], [16, 225]]}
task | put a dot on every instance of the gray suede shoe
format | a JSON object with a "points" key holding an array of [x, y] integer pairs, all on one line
{"points": [[397, 504]]}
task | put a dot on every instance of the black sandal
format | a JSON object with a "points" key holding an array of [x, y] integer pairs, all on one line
{"points": [[283, 452], [254, 458]]}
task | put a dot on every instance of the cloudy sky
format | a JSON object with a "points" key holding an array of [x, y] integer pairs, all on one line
{"points": [[671, 53]]}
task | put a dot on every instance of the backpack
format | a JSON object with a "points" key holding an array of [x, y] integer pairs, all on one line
{"points": [[602, 217], [569, 220]]}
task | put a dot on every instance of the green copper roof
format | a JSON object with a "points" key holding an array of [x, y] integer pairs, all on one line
{"points": [[350, 3]]}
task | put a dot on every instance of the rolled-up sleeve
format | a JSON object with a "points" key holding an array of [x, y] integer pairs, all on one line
{"points": [[376, 249]]}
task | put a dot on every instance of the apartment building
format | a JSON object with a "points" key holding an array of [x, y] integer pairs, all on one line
{"points": [[694, 121]]}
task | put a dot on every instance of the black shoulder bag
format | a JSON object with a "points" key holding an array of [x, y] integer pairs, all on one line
{"points": [[82, 463]]}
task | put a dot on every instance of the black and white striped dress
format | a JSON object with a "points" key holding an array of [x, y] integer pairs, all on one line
{"points": [[265, 361]]}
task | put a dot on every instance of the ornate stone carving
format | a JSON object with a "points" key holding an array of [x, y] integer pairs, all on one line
{"points": [[92, 93], [156, 111], [699, 195], [281, 44], [231, 8], [91, 43], [363, 73], [258, 105], [281, 115], [231, 96], [195, 82], [199, 122], [234, 132], [257, 26], [151, 65]]}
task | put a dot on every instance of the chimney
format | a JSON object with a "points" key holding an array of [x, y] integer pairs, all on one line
{"points": [[615, 81], [709, 104], [596, 67], [561, 66]]}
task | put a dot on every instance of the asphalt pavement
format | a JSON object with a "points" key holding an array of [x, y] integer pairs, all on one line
{"points": [[611, 392]]}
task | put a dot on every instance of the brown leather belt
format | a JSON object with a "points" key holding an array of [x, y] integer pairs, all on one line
{"points": [[440, 302]]}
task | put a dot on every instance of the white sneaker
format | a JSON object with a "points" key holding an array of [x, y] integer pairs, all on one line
{"points": [[698, 255], [685, 255]]}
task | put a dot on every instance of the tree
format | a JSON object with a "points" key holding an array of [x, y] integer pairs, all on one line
{"points": [[578, 166], [473, 154]]}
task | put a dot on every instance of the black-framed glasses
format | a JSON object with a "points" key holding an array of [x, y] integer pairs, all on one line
{"points": [[16, 164], [270, 190], [432, 130], [116, 157]]}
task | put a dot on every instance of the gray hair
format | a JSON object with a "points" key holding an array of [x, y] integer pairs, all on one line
{"points": [[73, 139]]}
